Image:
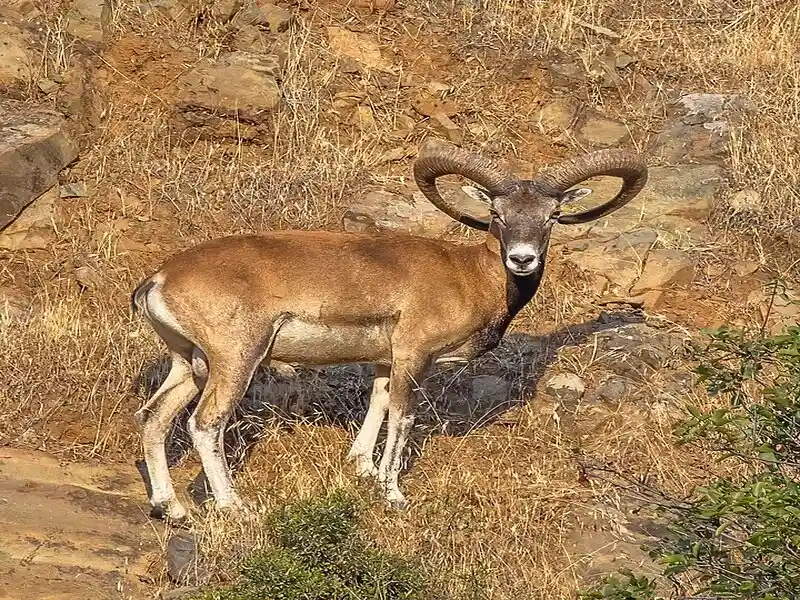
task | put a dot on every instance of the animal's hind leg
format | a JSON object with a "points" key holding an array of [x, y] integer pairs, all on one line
{"points": [[155, 419], [227, 383], [230, 370], [364, 444]]}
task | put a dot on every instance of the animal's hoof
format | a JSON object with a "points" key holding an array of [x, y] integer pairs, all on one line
{"points": [[367, 472], [401, 504], [174, 515], [158, 511], [178, 521]]}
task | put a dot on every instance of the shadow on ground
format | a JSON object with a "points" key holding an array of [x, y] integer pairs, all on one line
{"points": [[455, 399]]}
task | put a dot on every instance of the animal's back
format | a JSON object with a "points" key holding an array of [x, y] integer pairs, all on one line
{"points": [[315, 274]]}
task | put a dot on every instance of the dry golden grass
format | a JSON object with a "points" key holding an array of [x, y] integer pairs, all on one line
{"points": [[500, 502]]}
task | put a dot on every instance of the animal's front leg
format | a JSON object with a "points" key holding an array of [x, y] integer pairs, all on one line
{"points": [[405, 375], [364, 444]]}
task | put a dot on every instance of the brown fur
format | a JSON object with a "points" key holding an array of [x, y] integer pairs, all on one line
{"points": [[395, 300]]}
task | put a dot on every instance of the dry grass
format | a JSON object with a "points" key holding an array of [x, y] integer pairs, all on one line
{"points": [[498, 502]]}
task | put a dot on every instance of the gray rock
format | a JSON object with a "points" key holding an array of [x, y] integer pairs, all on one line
{"points": [[633, 351], [568, 388], [182, 556], [48, 86], [619, 268], [360, 48], [14, 302], [34, 148], [639, 240], [617, 261], [603, 72], [746, 200], [681, 143], [169, 9], [699, 108], [273, 18], [236, 84], [612, 389], [623, 60], [557, 115], [33, 227], [699, 128], [39, 213], [675, 200], [73, 190], [224, 10], [565, 73], [380, 210]]}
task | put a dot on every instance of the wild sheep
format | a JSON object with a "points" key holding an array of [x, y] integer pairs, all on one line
{"points": [[318, 298]]}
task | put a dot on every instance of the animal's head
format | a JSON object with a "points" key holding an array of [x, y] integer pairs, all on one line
{"points": [[521, 213]]}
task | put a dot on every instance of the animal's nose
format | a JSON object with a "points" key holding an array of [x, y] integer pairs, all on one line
{"points": [[522, 260]]}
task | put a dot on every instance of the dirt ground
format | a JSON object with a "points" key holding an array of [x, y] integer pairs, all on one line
{"points": [[71, 529]]}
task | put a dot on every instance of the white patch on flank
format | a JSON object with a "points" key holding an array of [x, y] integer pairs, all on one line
{"points": [[157, 309]]}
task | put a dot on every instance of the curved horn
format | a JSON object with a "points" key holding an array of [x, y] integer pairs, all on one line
{"points": [[628, 166], [438, 158]]}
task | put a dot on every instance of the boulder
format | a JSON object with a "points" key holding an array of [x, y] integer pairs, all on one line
{"points": [[600, 132], [664, 268], [699, 128], [676, 200], [89, 20], [233, 96], [410, 212], [358, 47], [615, 264], [380, 210], [34, 148], [16, 57]]}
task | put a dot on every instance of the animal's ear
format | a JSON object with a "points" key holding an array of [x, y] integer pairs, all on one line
{"points": [[477, 193], [573, 195]]}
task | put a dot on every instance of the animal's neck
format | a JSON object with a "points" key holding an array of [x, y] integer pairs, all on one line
{"points": [[517, 291], [520, 290]]}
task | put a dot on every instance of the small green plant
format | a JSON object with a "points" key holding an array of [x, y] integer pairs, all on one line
{"points": [[736, 538], [625, 586], [317, 553]]}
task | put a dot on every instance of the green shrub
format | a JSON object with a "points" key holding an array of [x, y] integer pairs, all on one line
{"points": [[317, 553], [736, 539]]}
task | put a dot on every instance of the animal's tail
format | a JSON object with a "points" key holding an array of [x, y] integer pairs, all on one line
{"points": [[139, 296]]}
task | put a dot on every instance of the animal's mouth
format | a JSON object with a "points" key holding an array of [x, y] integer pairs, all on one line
{"points": [[520, 272]]}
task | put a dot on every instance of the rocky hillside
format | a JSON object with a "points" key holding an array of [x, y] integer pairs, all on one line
{"points": [[130, 130]]}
